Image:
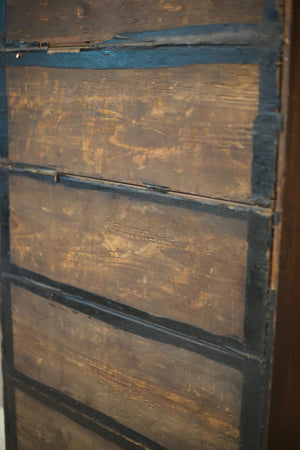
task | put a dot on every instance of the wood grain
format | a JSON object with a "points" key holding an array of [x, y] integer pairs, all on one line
{"points": [[188, 128], [40, 427], [184, 264], [95, 21], [175, 397]]}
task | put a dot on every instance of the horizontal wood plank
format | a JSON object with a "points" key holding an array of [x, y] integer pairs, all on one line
{"points": [[184, 264], [40, 427], [188, 128], [96, 21], [175, 397]]}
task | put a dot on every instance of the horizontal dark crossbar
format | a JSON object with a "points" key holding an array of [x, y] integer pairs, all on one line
{"points": [[219, 348], [135, 58], [235, 210]]}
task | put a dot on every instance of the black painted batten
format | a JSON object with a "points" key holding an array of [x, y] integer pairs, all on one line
{"points": [[219, 348], [6, 320], [219, 207], [134, 58]]}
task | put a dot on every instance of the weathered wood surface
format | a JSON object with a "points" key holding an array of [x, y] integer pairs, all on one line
{"points": [[39, 427], [177, 398], [184, 264], [188, 128], [95, 21]]}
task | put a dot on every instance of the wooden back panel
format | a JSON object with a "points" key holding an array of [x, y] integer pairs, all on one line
{"points": [[138, 156]]}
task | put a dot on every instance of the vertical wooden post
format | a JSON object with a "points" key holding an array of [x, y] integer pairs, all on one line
{"points": [[284, 430]]}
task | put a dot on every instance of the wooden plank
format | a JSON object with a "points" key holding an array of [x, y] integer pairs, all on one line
{"points": [[188, 128], [175, 397], [95, 21], [184, 264], [41, 427]]}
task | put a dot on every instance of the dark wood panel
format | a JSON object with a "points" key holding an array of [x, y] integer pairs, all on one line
{"points": [[284, 432], [39, 427], [94, 20], [187, 265], [175, 397], [188, 128]]}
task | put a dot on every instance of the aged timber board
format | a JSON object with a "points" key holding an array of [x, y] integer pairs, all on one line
{"points": [[124, 125]]}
